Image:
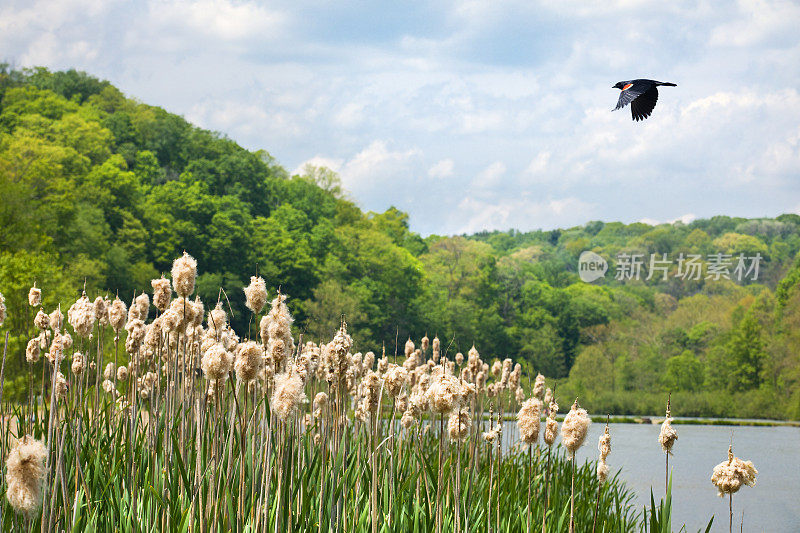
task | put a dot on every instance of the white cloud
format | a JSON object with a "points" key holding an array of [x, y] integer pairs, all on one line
{"points": [[490, 177], [221, 19], [318, 161], [538, 164], [476, 214], [442, 169]]}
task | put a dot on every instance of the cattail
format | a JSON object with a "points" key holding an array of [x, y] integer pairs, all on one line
{"points": [[371, 385], [497, 368], [34, 296], [668, 435], [25, 474], [320, 402], [41, 320], [249, 359], [548, 396], [108, 387], [100, 309], [604, 446], [32, 351], [136, 331], [66, 341], [436, 346], [409, 347], [369, 360], [184, 271], [56, 353], [573, 433], [56, 319], [256, 294], [78, 363], [216, 362], [162, 293], [279, 328], [103, 319], [62, 387], [122, 373], [287, 395], [395, 378], [116, 314], [529, 420], [81, 316], [459, 424], [730, 475], [459, 358], [538, 387], [424, 343], [519, 395], [574, 428], [444, 394], [140, 308], [109, 371]]}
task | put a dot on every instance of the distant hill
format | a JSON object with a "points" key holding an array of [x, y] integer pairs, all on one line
{"points": [[104, 191]]}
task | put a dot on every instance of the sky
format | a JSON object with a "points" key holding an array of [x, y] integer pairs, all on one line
{"points": [[469, 115]]}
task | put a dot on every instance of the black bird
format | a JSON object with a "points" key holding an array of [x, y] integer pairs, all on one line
{"points": [[641, 94]]}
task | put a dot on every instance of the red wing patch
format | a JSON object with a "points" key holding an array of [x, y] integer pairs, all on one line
{"points": [[628, 86]]}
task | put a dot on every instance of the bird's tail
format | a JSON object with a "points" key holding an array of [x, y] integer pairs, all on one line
{"points": [[667, 84]]}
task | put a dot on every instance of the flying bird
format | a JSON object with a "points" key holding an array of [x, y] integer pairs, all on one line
{"points": [[641, 94]]}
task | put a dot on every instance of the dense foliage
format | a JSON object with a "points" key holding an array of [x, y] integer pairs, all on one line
{"points": [[103, 191]]}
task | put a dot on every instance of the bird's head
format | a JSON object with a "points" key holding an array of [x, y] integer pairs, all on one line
{"points": [[619, 85]]}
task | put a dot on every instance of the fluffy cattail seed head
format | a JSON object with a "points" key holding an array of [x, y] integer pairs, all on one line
{"points": [[529, 420], [161, 293], [287, 395], [458, 425], [575, 428], [81, 316], [395, 378], [538, 386], [216, 362], [256, 294], [730, 475], [116, 314], [436, 349], [217, 320], [78, 363], [34, 296], [604, 444], [444, 393], [100, 309], [32, 351], [602, 470], [249, 360], [184, 271], [62, 387], [122, 373], [668, 435], [551, 427], [42, 320], [424, 343], [109, 371], [25, 474]]}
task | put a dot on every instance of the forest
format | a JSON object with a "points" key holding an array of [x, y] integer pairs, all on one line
{"points": [[100, 192]]}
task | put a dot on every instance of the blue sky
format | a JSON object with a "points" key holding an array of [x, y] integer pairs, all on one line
{"points": [[467, 115]]}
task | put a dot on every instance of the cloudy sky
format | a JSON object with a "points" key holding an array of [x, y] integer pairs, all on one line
{"points": [[467, 115]]}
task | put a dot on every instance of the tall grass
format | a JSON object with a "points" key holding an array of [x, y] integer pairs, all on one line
{"points": [[170, 449]]}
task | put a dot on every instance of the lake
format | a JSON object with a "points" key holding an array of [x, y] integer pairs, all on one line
{"points": [[772, 505]]}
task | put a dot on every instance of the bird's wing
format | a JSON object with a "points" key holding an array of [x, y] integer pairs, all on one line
{"points": [[644, 104], [626, 96]]}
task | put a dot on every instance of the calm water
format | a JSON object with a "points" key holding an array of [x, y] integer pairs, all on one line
{"points": [[773, 505]]}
